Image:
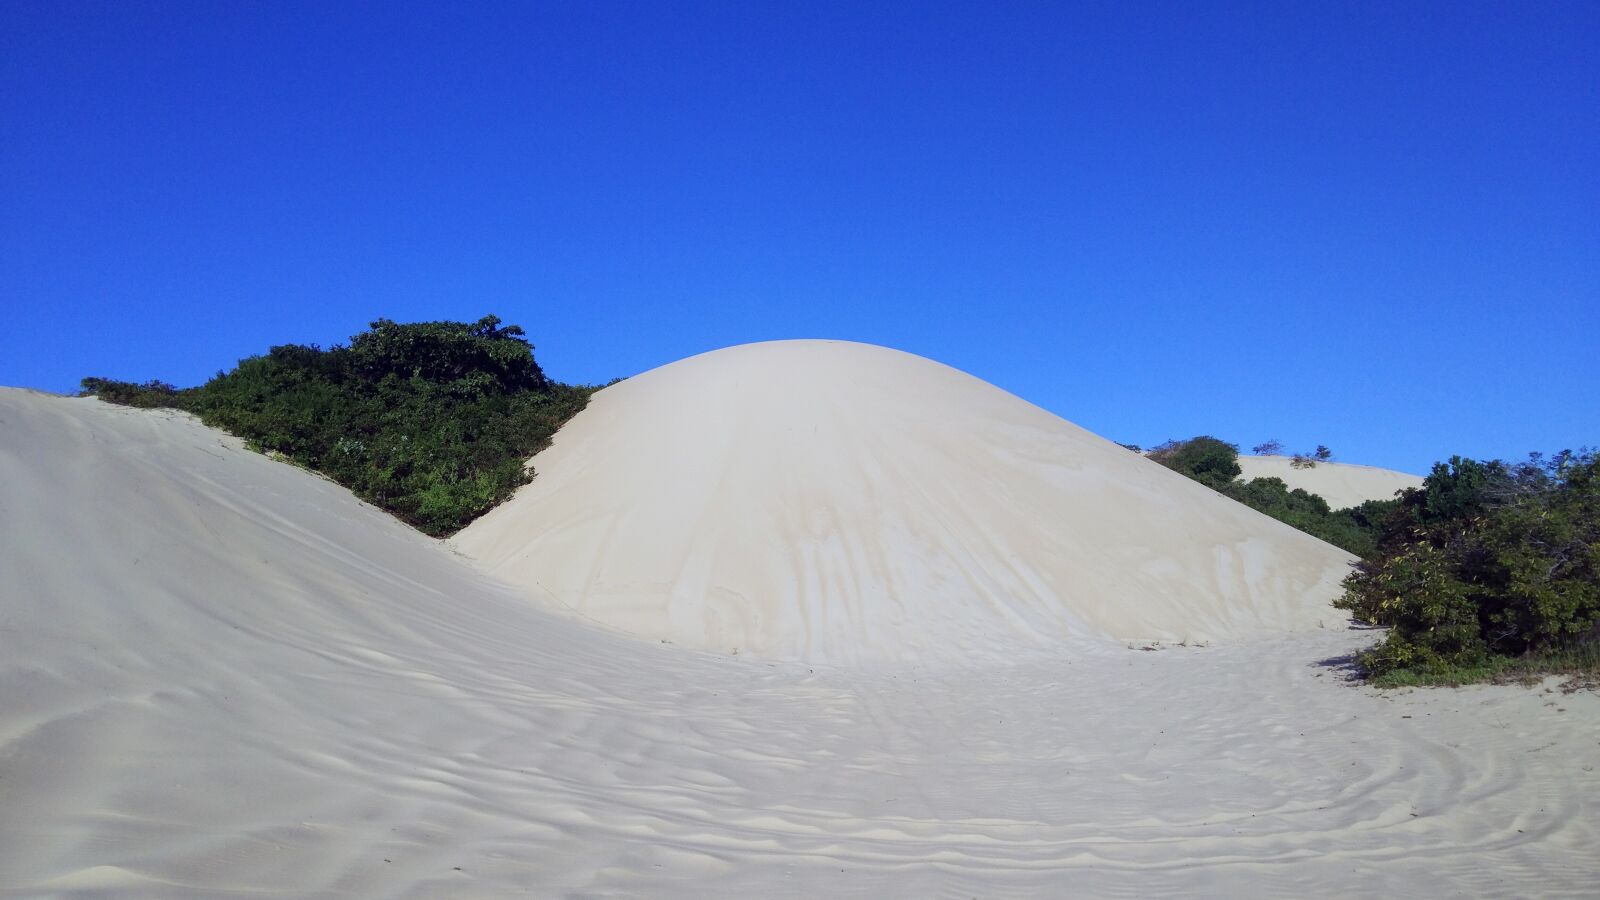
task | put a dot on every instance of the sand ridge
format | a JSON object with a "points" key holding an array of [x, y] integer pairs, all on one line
{"points": [[222, 675], [839, 502]]}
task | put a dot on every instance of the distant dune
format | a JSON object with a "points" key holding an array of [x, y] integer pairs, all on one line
{"points": [[221, 675], [1341, 484], [837, 502]]}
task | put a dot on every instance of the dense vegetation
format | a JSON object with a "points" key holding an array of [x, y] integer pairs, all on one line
{"points": [[1489, 569], [1215, 464], [432, 421], [1488, 564]]}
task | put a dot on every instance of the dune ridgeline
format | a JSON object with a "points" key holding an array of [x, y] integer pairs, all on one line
{"points": [[839, 502]]}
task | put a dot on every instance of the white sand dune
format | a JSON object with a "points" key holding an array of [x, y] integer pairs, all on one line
{"points": [[1341, 484], [838, 502], [223, 676]]}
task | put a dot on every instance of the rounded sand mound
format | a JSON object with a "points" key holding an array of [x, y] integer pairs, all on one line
{"points": [[838, 502]]}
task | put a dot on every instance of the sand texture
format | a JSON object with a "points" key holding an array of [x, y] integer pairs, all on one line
{"points": [[223, 676], [837, 502], [1341, 484]]}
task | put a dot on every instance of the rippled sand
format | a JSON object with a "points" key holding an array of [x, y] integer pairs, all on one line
{"points": [[222, 675]]}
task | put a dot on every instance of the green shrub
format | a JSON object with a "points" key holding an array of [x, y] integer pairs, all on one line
{"points": [[1349, 529], [432, 421], [1485, 560], [1206, 459], [1215, 464], [150, 395]]}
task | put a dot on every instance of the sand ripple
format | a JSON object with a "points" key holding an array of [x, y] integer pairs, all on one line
{"points": [[221, 675]]}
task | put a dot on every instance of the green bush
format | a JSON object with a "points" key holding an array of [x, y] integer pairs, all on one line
{"points": [[1206, 459], [1349, 529], [1215, 464], [150, 395], [1485, 560], [432, 421]]}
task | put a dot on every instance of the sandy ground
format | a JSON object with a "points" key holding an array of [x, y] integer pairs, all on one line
{"points": [[830, 501], [1341, 484], [220, 675]]}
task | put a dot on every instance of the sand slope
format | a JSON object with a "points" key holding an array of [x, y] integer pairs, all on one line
{"points": [[1341, 484], [220, 675], [840, 502]]}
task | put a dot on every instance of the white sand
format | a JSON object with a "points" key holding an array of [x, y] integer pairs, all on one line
{"points": [[220, 675], [837, 502], [1341, 484]]}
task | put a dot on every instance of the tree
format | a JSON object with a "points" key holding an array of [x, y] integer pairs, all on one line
{"points": [[1269, 448], [1322, 453]]}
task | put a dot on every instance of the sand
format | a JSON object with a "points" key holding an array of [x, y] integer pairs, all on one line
{"points": [[1341, 484], [836, 502], [221, 675]]}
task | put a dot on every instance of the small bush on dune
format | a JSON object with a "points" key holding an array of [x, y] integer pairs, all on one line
{"points": [[432, 421], [1206, 459], [1310, 460]]}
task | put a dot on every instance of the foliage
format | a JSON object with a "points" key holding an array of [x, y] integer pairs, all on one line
{"points": [[432, 421], [1349, 529], [150, 395], [1268, 448], [1581, 664], [1215, 464], [1486, 560], [1310, 460], [1206, 459]]}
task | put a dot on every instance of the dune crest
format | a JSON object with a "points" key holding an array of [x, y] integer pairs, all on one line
{"points": [[1341, 484], [839, 502]]}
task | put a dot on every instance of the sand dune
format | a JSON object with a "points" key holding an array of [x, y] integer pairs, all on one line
{"points": [[838, 502], [221, 675], [1341, 484]]}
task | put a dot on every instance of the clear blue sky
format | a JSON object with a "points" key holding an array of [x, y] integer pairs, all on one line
{"points": [[1372, 226]]}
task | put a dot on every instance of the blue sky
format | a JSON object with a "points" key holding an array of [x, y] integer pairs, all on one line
{"points": [[1375, 226]]}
